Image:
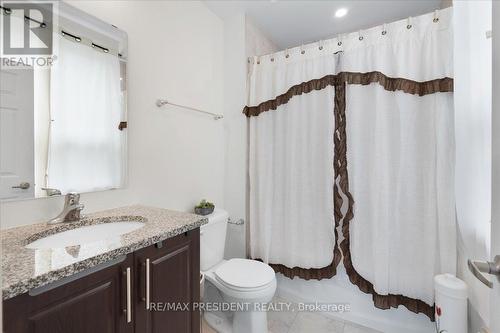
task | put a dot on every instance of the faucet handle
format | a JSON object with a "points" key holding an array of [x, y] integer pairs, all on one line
{"points": [[71, 210], [72, 198]]}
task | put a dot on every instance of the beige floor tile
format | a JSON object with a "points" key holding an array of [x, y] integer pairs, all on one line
{"points": [[307, 322]]}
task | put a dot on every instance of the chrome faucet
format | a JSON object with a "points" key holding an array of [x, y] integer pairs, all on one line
{"points": [[71, 210]]}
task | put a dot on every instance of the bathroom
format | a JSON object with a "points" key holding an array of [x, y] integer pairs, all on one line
{"points": [[99, 237]]}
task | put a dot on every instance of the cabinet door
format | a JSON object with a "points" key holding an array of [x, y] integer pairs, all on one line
{"points": [[168, 278], [93, 301]]}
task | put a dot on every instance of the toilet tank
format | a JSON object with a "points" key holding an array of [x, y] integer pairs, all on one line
{"points": [[213, 239]]}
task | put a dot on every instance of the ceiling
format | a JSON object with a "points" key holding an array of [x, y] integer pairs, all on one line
{"points": [[290, 23]]}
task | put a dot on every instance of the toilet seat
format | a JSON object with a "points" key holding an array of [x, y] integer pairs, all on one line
{"points": [[261, 288], [244, 274]]}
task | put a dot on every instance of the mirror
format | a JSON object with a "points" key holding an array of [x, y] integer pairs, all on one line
{"points": [[63, 121]]}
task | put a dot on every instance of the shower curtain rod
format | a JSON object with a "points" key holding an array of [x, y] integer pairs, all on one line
{"points": [[340, 36], [161, 102]]}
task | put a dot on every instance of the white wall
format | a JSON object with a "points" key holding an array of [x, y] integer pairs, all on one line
{"points": [[495, 230], [256, 42], [241, 40], [176, 157], [236, 132], [472, 57]]}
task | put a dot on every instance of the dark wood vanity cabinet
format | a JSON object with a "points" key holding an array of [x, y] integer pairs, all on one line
{"points": [[169, 278], [92, 303], [111, 298]]}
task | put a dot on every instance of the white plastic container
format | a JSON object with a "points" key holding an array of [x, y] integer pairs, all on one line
{"points": [[451, 304]]}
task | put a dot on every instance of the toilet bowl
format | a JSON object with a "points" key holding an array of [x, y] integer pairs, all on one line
{"points": [[246, 286]]}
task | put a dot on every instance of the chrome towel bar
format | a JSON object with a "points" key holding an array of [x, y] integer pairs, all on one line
{"points": [[161, 102]]}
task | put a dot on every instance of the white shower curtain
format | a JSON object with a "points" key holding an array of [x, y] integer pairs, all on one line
{"points": [[85, 146], [291, 167], [400, 157], [393, 146]]}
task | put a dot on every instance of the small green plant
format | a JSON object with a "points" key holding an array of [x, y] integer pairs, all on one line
{"points": [[205, 204]]}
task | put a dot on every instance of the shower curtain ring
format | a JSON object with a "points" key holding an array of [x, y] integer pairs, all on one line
{"points": [[384, 29], [436, 16], [409, 25]]}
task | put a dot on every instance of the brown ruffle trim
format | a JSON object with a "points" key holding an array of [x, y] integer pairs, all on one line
{"points": [[389, 83], [299, 89], [380, 301], [310, 273]]}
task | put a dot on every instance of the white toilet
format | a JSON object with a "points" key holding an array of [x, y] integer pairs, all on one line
{"points": [[248, 284]]}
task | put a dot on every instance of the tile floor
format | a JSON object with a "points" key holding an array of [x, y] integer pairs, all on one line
{"points": [[305, 322]]}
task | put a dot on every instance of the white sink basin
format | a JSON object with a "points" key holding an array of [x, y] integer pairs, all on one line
{"points": [[85, 235]]}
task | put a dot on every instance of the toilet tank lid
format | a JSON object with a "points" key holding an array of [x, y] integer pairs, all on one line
{"points": [[218, 215]]}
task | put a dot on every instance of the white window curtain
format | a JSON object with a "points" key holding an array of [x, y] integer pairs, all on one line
{"points": [[291, 164], [85, 146]]}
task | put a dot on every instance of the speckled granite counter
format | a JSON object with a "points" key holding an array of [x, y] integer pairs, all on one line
{"points": [[24, 269]]}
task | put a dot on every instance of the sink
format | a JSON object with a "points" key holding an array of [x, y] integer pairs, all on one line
{"points": [[86, 234]]}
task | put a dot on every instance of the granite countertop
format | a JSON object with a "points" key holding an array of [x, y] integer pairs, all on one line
{"points": [[24, 269]]}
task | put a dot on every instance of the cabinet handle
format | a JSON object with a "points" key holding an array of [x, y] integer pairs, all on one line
{"points": [[142, 282], [147, 284], [129, 297]]}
